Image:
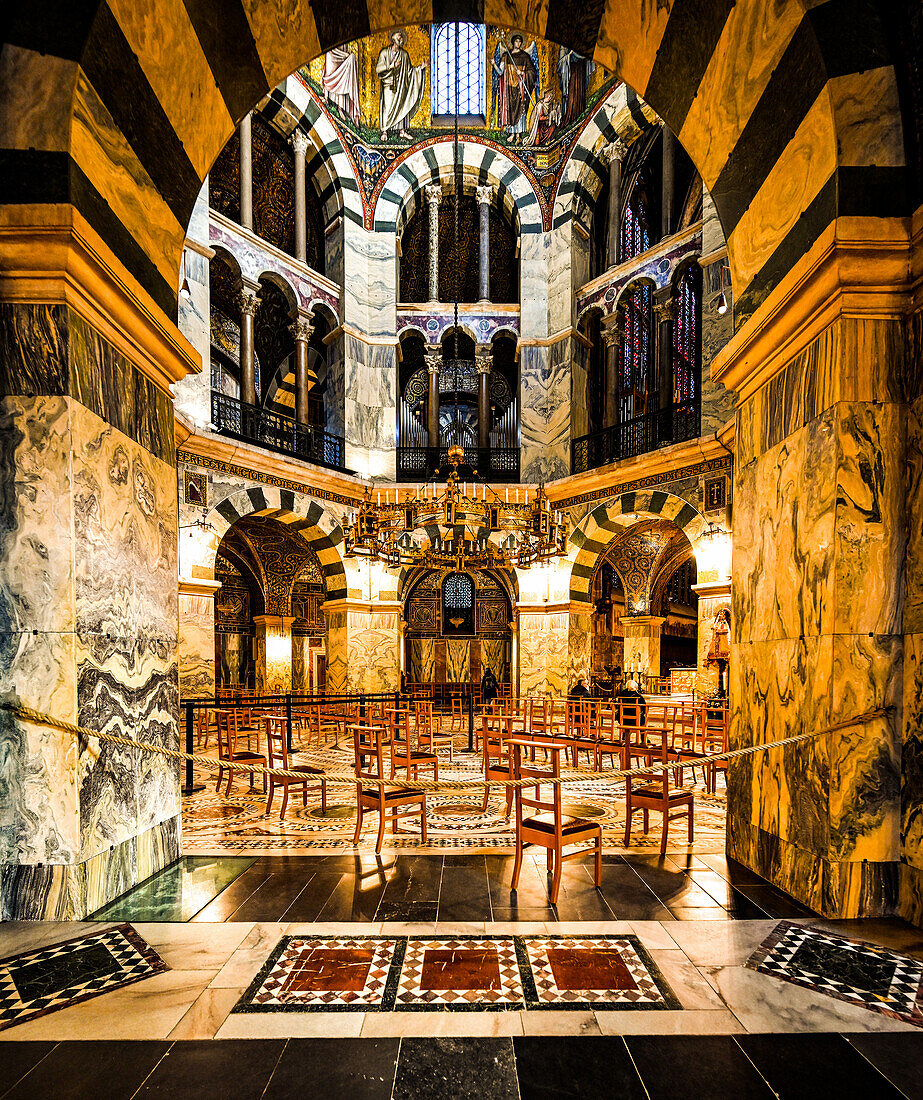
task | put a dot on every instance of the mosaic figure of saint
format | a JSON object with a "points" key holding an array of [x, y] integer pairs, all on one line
{"points": [[575, 73], [402, 87], [515, 85], [341, 81], [546, 118]]}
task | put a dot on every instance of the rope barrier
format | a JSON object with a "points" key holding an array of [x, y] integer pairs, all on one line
{"points": [[342, 779]]}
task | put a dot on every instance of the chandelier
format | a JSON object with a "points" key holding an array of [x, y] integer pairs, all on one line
{"points": [[457, 528]]}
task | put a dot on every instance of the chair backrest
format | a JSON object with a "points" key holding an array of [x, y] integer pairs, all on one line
{"points": [[276, 741], [367, 752], [530, 797], [495, 732], [227, 732]]}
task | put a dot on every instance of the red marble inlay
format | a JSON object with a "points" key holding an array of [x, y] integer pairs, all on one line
{"points": [[328, 969], [589, 968], [460, 968]]}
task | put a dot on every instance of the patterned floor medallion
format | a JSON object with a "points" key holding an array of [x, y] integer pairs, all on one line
{"points": [[38, 982], [850, 970], [218, 826], [460, 973]]}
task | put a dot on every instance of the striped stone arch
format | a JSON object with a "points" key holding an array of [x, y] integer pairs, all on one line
{"points": [[620, 116], [403, 188], [328, 167], [596, 530], [790, 111], [318, 527]]}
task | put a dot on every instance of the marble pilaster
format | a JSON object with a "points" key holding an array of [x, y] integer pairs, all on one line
{"points": [[197, 638], [274, 653], [363, 645], [543, 650], [714, 596], [642, 644]]}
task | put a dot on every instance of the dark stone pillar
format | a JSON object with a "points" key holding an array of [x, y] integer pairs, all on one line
{"points": [[482, 358], [249, 301], [614, 154], [433, 355], [667, 219], [301, 330], [484, 196], [246, 174], [663, 359]]}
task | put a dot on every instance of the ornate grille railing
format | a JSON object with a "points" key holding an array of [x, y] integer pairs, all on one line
{"points": [[276, 433], [674, 424], [491, 463]]}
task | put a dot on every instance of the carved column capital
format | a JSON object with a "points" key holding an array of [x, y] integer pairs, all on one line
{"points": [[433, 193], [665, 310], [248, 301], [484, 194], [299, 142], [483, 358], [301, 329], [614, 151], [433, 357]]}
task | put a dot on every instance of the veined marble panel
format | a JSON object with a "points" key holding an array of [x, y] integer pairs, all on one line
{"points": [[370, 279], [457, 660], [372, 658], [545, 388], [543, 653], [196, 646], [913, 579], [912, 762], [423, 660], [336, 651], [579, 651], [493, 656], [533, 285]]}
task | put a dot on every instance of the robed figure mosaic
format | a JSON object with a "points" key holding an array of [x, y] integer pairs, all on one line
{"points": [[515, 84], [403, 86]]}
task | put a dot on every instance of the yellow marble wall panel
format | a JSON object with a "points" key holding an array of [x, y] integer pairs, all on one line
{"points": [[457, 660], [729, 90], [911, 893], [629, 37], [494, 656], [196, 646], [865, 761], [301, 663], [372, 655], [913, 579], [518, 14], [870, 531], [912, 756], [798, 175], [336, 651], [38, 92], [579, 649], [110, 164], [868, 118], [543, 653], [162, 37]]}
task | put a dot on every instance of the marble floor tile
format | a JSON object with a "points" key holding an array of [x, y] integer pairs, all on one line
{"points": [[687, 1065], [456, 1068], [240, 969], [85, 1070], [19, 936], [561, 1023], [361, 1069], [655, 935], [148, 1010], [591, 1066], [423, 1024], [194, 946], [730, 943], [815, 1065], [683, 1022], [284, 1025], [207, 1013], [198, 1068], [689, 986]]}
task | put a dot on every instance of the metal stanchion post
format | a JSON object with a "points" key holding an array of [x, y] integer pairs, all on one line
{"points": [[189, 787], [288, 720], [470, 718]]}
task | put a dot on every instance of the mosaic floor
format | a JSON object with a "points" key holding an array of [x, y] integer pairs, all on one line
{"points": [[850, 970], [38, 982], [240, 824], [457, 973]]}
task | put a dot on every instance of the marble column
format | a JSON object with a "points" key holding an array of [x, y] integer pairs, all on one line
{"points": [[363, 645], [642, 644], [273, 653], [484, 197], [579, 643], [433, 198], [667, 201], [613, 154], [246, 173], [196, 650], [248, 300], [664, 311], [433, 356], [299, 142], [483, 361], [301, 330], [544, 649], [611, 337], [714, 596]]}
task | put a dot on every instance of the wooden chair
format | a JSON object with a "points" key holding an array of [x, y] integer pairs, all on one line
{"points": [[495, 759], [653, 793], [550, 828], [371, 796], [203, 727], [404, 753], [277, 754], [426, 727], [228, 751], [610, 738]]}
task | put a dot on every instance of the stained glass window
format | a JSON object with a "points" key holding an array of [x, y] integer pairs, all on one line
{"points": [[458, 47], [458, 592], [635, 235], [635, 365], [686, 337]]}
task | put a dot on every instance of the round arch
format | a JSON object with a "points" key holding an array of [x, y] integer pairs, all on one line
{"points": [[318, 527], [595, 531]]}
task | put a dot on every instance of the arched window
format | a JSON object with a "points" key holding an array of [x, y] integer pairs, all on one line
{"points": [[635, 234], [458, 50], [635, 371], [458, 604], [686, 353]]}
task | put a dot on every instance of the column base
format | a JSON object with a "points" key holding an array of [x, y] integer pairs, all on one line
{"points": [[72, 891]]}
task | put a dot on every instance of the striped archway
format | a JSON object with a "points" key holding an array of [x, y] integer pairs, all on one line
{"points": [[790, 111], [317, 526], [596, 530]]}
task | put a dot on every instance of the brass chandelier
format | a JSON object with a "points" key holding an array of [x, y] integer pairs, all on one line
{"points": [[457, 529]]}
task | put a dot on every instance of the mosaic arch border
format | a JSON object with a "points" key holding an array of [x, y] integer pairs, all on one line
{"points": [[595, 531], [319, 528]]}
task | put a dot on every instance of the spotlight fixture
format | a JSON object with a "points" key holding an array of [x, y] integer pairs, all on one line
{"points": [[722, 305]]}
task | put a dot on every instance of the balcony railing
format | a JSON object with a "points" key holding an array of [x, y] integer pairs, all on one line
{"points": [[675, 424], [277, 433], [491, 463]]}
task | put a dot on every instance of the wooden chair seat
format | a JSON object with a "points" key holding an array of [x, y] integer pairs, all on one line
{"points": [[569, 824], [391, 795], [675, 794]]}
